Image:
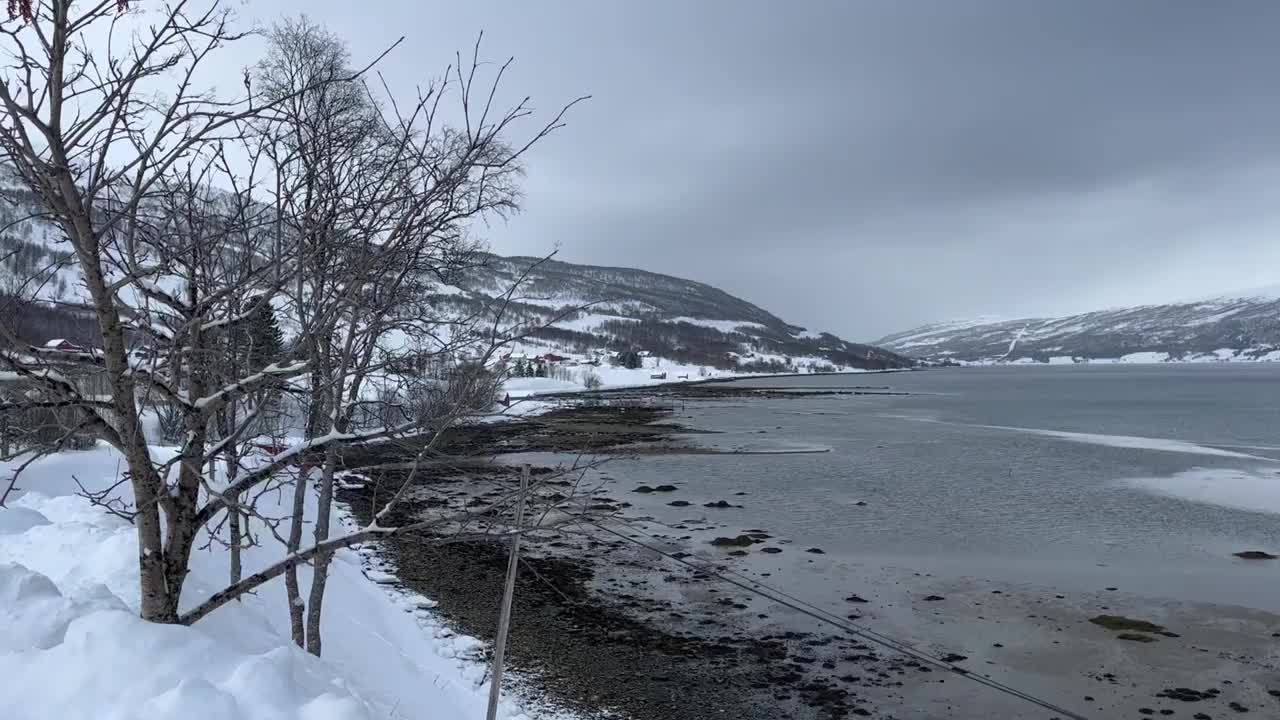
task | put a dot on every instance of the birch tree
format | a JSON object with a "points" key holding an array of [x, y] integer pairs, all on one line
{"points": [[187, 211]]}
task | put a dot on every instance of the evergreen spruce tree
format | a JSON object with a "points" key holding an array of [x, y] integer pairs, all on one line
{"points": [[261, 344], [265, 340]]}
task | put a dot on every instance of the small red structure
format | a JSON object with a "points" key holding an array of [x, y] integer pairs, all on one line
{"points": [[61, 345]]}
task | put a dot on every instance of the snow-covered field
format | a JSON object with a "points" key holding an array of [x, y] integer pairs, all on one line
{"points": [[72, 645]]}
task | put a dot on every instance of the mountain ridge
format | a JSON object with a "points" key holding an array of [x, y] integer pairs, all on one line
{"points": [[594, 306], [1238, 325], [569, 306]]}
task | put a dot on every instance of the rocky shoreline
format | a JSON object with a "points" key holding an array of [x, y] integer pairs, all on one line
{"points": [[610, 630], [592, 627]]}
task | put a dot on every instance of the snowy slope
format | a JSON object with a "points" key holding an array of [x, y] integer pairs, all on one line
{"points": [[1236, 326], [72, 646], [591, 307]]}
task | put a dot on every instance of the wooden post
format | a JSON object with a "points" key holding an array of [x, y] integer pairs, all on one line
{"points": [[504, 616]]}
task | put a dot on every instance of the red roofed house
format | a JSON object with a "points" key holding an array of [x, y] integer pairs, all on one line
{"points": [[62, 345]]}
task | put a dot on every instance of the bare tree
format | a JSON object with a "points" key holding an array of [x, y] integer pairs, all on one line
{"points": [[187, 211]]}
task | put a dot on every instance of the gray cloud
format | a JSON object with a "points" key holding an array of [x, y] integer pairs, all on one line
{"points": [[864, 166]]}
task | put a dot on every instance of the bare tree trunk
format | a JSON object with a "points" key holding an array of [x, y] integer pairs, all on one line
{"points": [[320, 572], [234, 529], [296, 628], [233, 523]]}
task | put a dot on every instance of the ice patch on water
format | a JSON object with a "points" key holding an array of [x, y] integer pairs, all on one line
{"points": [[1254, 490], [1133, 442]]}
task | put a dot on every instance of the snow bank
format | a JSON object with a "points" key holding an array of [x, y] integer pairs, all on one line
{"points": [[523, 387], [72, 646], [1255, 490]]}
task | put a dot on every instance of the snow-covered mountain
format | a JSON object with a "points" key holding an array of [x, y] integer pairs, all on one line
{"points": [[593, 307], [587, 307], [1241, 326]]}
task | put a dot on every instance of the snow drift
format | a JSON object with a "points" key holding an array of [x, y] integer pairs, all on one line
{"points": [[72, 645]]}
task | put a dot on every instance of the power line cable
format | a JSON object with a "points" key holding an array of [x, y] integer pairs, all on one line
{"points": [[809, 609]]}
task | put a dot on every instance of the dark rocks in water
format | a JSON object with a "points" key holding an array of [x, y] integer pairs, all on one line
{"points": [[1136, 637], [1274, 693], [1119, 622], [815, 551], [861, 503], [740, 493], [1184, 694], [1202, 716], [1237, 707], [739, 541], [679, 503], [643, 489], [934, 598], [717, 504], [953, 658], [665, 488], [679, 555], [771, 550], [739, 553], [1146, 711], [1111, 589], [997, 645], [856, 599], [1255, 555]]}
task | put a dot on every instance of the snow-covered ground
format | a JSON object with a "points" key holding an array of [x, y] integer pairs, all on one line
{"points": [[72, 645]]}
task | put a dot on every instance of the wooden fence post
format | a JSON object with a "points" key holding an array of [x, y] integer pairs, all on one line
{"points": [[504, 616]]}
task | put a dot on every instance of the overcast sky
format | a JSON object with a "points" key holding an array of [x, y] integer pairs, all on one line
{"points": [[867, 166]]}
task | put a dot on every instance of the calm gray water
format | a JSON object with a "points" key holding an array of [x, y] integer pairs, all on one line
{"points": [[1155, 475]]}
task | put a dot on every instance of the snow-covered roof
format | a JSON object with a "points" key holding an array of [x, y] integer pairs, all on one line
{"points": [[59, 342]]}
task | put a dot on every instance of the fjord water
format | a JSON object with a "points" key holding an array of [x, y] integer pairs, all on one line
{"points": [[1076, 477]]}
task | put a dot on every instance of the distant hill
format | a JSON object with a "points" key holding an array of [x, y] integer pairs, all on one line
{"points": [[1241, 326], [625, 309], [684, 320]]}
